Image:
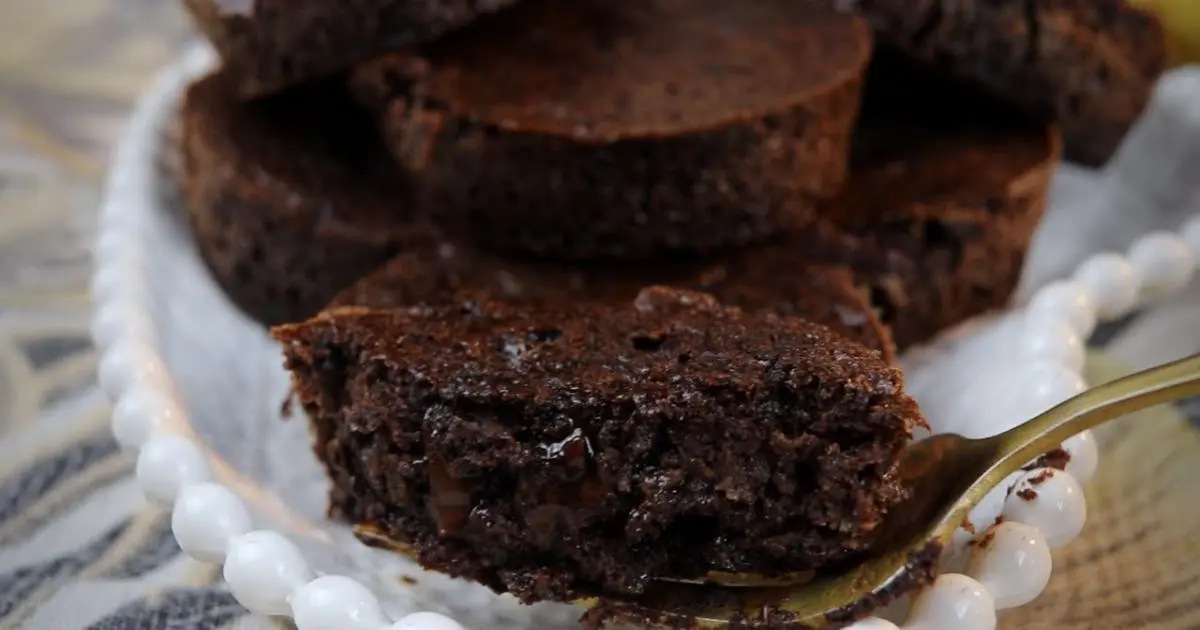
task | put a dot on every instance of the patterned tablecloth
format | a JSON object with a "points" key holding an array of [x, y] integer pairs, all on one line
{"points": [[78, 548]]}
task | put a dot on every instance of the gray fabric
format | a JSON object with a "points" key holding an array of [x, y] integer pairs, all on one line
{"points": [[143, 560]]}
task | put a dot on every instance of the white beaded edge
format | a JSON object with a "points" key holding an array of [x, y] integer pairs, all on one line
{"points": [[1006, 564]]}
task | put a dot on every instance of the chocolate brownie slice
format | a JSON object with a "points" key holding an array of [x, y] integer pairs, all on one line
{"points": [[291, 198], [267, 45], [1090, 65], [947, 187], [557, 452], [778, 279], [594, 128]]}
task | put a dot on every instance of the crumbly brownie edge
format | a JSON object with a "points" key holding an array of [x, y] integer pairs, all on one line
{"points": [[384, 483]]}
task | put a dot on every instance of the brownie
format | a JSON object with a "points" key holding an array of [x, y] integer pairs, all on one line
{"points": [[556, 452], [291, 198], [1090, 65], [599, 129], [268, 45], [777, 279], [947, 187]]}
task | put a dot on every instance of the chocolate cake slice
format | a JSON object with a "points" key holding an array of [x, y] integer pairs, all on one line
{"points": [[291, 198], [555, 452], [1090, 65], [268, 45], [594, 128], [778, 279], [947, 187]]}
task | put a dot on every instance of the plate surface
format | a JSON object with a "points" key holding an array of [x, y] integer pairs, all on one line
{"points": [[1128, 570]]}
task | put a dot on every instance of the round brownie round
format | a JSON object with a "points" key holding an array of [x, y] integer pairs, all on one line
{"points": [[777, 279], [1090, 65], [593, 128], [291, 198], [268, 45], [565, 451], [947, 187]]}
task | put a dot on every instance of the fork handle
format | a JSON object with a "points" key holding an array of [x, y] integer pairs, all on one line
{"points": [[1166, 383]]}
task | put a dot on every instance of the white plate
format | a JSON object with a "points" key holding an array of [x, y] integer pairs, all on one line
{"points": [[180, 360]]}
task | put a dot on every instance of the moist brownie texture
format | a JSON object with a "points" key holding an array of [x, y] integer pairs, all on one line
{"points": [[1090, 65], [552, 453], [946, 189], [267, 45], [593, 128], [291, 199], [777, 279]]}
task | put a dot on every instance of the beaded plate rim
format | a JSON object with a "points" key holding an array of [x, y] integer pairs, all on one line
{"points": [[269, 575]]}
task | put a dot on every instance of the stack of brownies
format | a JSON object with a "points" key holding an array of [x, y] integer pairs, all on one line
{"points": [[578, 294]]}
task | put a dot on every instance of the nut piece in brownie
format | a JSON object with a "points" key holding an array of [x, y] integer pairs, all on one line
{"points": [[268, 45], [1090, 65], [291, 198], [778, 279], [947, 187], [556, 452], [594, 128]]}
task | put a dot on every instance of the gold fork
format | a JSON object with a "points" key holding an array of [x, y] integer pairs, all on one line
{"points": [[948, 474]]}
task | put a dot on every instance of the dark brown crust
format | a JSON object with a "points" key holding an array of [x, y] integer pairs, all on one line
{"points": [[777, 278], [635, 152], [946, 190], [267, 45], [284, 213], [550, 453], [1091, 65]]}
